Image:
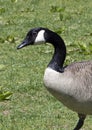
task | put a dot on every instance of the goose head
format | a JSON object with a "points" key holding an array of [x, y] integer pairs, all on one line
{"points": [[35, 36]]}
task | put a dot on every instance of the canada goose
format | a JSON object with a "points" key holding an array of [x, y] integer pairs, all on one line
{"points": [[72, 84]]}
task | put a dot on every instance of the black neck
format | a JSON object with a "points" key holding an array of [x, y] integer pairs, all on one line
{"points": [[59, 52]]}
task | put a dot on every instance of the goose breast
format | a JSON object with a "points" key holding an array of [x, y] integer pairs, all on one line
{"points": [[73, 87]]}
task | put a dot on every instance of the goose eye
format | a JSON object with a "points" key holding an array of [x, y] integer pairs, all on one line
{"points": [[34, 33]]}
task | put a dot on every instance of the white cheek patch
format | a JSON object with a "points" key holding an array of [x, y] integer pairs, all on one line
{"points": [[40, 37]]}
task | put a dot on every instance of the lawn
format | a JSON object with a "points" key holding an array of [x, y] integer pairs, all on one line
{"points": [[31, 106]]}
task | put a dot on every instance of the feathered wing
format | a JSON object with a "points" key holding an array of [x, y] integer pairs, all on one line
{"points": [[82, 77]]}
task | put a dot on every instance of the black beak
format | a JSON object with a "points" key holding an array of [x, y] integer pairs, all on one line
{"points": [[23, 44]]}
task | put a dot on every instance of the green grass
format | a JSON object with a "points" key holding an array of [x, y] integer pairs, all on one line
{"points": [[31, 106]]}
